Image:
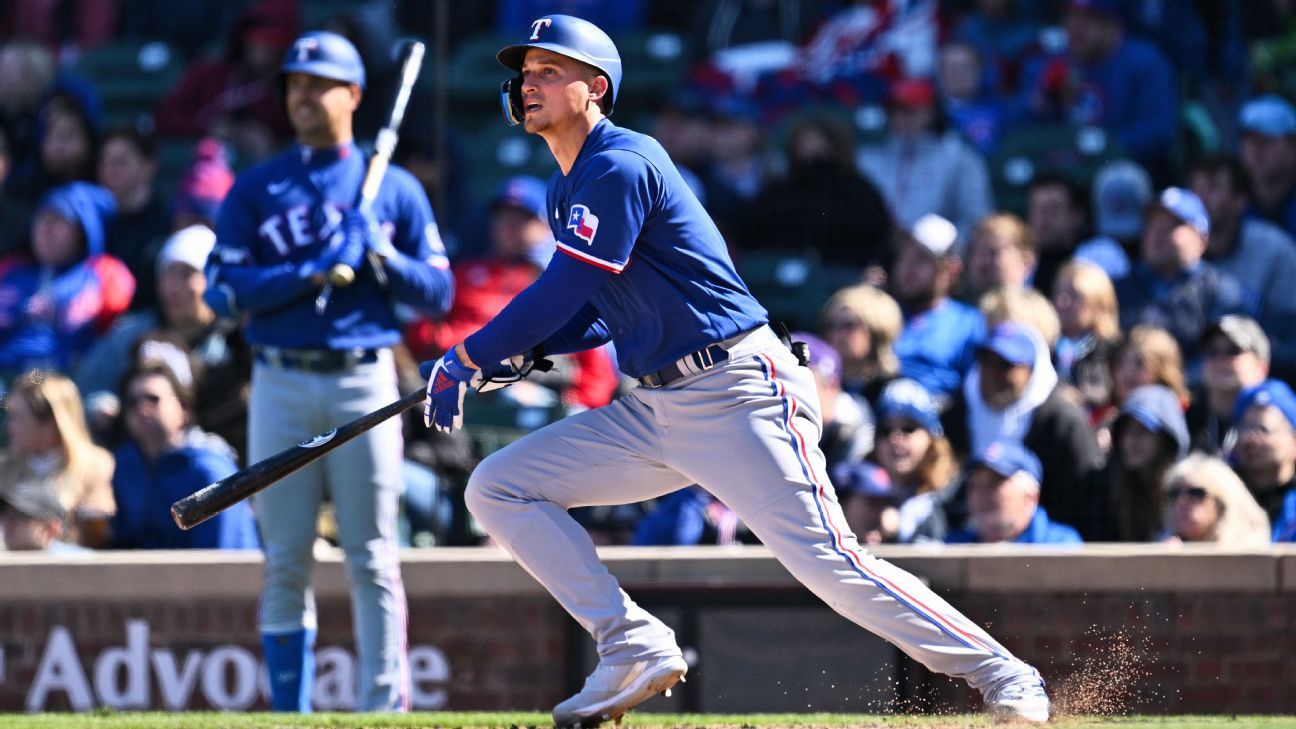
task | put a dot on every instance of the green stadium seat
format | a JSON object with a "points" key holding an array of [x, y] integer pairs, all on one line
{"points": [[653, 62], [474, 72], [791, 284], [497, 151], [130, 77], [1073, 151]]}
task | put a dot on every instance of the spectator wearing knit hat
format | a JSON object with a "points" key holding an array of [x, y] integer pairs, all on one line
{"points": [[1265, 456], [203, 188], [1121, 192], [1148, 437], [1171, 286], [55, 302]]}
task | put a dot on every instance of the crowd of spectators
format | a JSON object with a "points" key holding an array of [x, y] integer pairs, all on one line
{"points": [[1021, 339]]}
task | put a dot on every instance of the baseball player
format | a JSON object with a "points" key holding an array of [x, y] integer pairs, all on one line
{"points": [[722, 401], [285, 223]]}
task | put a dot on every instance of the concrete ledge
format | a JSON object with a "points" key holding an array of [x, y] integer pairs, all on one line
{"points": [[488, 571]]}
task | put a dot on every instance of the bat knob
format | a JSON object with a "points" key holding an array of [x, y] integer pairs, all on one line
{"points": [[341, 275], [179, 520]]}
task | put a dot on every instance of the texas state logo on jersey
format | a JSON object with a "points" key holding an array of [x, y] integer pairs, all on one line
{"points": [[583, 223]]}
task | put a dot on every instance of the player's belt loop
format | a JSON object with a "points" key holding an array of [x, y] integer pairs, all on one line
{"points": [[690, 364]]}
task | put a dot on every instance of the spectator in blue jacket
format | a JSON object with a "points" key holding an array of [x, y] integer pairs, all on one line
{"points": [[1171, 286], [55, 302], [1108, 79], [1003, 490], [164, 459], [940, 335]]}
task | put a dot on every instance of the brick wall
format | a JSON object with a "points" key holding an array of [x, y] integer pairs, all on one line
{"points": [[1137, 629]]}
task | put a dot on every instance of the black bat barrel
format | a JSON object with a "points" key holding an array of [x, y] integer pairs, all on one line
{"points": [[209, 501]]}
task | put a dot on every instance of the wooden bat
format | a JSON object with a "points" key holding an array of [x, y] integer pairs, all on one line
{"points": [[211, 500], [342, 274]]}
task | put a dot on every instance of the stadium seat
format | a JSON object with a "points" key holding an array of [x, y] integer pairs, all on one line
{"points": [[130, 77], [497, 151], [792, 285], [474, 72], [653, 61], [1076, 152]]}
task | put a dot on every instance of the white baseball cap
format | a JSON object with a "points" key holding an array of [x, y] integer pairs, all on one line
{"points": [[190, 246], [934, 233]]}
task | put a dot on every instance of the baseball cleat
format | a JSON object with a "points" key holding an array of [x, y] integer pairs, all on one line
{"points": [[612, 690], [1024, 701]]}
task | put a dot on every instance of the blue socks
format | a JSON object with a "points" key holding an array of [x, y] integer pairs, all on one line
{"points": [[290, 661]]}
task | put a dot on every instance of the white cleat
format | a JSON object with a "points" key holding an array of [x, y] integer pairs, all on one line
{"points": [[611, 691], [1023, 702]]}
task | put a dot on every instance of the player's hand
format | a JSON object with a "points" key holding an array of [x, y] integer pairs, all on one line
{"points": [[349, 248], [448, 379]]}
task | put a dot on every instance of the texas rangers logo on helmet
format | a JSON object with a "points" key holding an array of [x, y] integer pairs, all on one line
{"points": [[537, 25], [583, 223], [306, 48]]}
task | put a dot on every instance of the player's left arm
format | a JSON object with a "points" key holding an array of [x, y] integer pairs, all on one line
{"points": [[414, 258], [609, 203]]}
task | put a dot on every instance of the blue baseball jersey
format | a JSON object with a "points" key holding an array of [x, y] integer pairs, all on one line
{"points": [[286, 212], [670, 289]]}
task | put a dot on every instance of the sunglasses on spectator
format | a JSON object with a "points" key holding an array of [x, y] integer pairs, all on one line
{"points": [[906, 429], [1195, 493], [150, 398], [1224, 352]]}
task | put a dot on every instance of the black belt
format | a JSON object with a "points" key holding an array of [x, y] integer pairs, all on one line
{"points": [[316, 360], [690, 364]]}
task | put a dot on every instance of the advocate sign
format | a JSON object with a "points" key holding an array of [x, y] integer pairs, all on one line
{"points": [[229, 677]]}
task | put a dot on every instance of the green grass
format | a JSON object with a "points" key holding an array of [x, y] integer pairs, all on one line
{"points": [[506, 720]]}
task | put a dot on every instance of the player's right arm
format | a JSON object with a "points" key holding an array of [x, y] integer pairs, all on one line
{"points": [[236, 282]]}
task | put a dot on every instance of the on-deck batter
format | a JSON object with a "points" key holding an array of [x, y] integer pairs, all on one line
{"points": [[722, 402], [285, 223]]}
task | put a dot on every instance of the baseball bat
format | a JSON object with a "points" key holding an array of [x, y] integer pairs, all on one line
{"points": [[342, 274], [211, 500]]}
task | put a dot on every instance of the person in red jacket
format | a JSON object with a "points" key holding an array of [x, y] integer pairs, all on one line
{"points": [[520, 248]]}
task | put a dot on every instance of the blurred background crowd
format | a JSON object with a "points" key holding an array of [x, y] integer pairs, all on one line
{"points": [[1041, 252]]}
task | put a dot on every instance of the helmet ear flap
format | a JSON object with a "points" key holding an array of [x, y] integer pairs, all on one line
{"points": [[511, 101]]}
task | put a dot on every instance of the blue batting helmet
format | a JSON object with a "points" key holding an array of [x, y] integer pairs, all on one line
{"points": [[567, 36], [327, 55]]}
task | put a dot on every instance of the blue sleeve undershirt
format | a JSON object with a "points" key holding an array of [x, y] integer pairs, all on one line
{"points": [[539, 311]]}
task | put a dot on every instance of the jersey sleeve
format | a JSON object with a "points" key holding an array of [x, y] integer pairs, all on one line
{"points": [[416, 264], [236, 281], [609, 203]]}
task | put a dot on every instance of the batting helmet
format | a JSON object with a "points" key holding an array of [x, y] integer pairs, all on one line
{"points": [[327, 55], [567, 36]]}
